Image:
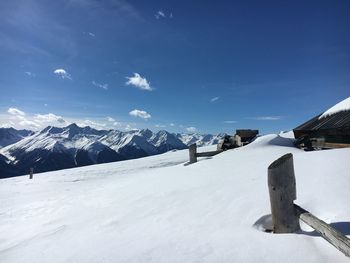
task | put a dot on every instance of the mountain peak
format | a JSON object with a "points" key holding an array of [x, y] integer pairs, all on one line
{"points": [[51, 130], [72, 126]]}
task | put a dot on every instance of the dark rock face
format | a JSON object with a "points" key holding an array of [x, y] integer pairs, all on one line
{"points": [[7, 170], [108, 155], [82, 158], [9, 136], [133, 152]]}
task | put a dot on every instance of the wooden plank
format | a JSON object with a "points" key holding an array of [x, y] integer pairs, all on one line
{"points": [[208, 154], [193, 153], [282, 190], [333, 236], [336, 145]]}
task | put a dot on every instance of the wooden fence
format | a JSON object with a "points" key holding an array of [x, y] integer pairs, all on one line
{"points": [[194, 154], [286, 214]]}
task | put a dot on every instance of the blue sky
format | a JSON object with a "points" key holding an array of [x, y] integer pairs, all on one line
{"points": [[205, 66]]}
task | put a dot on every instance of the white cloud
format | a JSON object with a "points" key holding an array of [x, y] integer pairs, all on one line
{"points": [[267, 118], [30, 74], [102, 86], [62, 73], [128, 127], [50, 117], [16, 112], [139, 82], [230, 122], [172, 124], [160, 14], [91, 34], [214, 99], [191, 129], [7, 125], [92, 124], [19, 119], [160, 126], [28, 123], [140, 113], [110, 119]]}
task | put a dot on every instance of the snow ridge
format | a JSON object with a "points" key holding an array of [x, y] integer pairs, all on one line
{"points": [[344, 105]]}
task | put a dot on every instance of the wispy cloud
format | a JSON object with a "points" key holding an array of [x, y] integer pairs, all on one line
{"points": [[161, 14], [29, 124], [267, 118], [93, 124], [99, 85], [139, 82], [160, 126], [62, 73], [30, 74], [230, 122], [140, 113], [8, 124], [172, 124], [113, 121], [214, 99], [191, 129], [91, 34], [110, 119], [19, 118], [50, 117], [16, 112], [36, 25]]}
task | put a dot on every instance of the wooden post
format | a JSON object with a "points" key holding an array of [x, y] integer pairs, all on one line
{"points": [[333, 236], [282, 189], [193, 153], [31, 171]]}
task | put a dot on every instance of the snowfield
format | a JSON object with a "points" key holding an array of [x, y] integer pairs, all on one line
{"points": [[157, 209]]}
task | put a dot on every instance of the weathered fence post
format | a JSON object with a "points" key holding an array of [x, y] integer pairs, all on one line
{"points": [[193, 153], [282, 189], [31, 171]]}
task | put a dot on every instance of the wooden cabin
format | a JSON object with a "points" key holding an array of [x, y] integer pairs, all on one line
{"points": [[241, 138], [322, 132], [246, 136]]}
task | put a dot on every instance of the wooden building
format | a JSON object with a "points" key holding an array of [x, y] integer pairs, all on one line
{"points": [[325, 131]]}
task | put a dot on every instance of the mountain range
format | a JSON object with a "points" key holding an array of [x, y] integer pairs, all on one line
{"points": [[55, 148]]}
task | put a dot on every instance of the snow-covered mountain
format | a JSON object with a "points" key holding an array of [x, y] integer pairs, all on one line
{"points": [[200, 139], [10, 135], [56, 148]]}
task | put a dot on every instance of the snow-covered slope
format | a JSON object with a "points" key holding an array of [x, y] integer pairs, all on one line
{"points": [[155, 209], [10, 135]]}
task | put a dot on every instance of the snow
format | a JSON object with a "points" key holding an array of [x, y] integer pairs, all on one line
{"points": [[341, 106], [157, 209], [200, 139]]}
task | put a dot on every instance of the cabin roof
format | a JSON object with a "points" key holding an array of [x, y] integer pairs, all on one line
{"points": [[337, 120]]}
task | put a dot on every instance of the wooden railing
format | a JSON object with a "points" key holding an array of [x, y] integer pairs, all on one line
{"points": [[286, 214], [194, 154]]}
